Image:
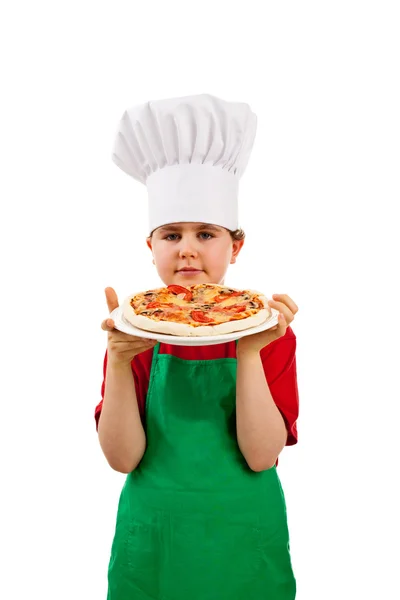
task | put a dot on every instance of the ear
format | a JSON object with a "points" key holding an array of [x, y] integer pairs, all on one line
{"points": [[237, 245], [148, 242]]}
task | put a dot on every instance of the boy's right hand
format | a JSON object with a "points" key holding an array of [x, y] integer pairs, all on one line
{"points": [[121, 347]]}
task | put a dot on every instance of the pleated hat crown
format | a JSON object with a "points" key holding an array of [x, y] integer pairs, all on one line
{"points": [[190, 152]]}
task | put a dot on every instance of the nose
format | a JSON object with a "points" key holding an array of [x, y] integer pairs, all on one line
{"points": [[187, 252], [187, 249]]}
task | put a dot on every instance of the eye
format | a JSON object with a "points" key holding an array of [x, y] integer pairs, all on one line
{"points": [[170, 237]]}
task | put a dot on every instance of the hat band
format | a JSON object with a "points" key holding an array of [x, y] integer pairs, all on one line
{"points": [[199, 193]]}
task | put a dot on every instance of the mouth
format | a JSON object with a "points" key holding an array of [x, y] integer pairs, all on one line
{"points": [[189, 271]]}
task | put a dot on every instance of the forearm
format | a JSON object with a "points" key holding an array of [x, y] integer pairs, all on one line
{"points": [[261, 430], [121, 434]]}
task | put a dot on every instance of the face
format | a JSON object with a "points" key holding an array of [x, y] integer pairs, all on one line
{"points": [[208, 249]]}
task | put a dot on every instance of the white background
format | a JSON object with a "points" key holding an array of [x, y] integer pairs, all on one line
{"points": [[318, 204]]}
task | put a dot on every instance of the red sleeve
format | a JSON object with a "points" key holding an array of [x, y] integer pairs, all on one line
{"points": [[103, 385], [141, 374], [279, 362]]}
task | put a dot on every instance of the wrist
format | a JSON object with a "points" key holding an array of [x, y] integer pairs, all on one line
{"points": [[117, 365], [248, 352]]}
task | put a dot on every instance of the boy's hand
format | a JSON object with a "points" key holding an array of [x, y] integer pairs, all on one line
{"points": [[254, 343], [121, 347]]}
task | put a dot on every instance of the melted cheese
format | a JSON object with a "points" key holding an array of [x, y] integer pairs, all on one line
{"points": [[182, 308]]}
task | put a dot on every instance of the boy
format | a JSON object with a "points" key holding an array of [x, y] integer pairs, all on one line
{"points": [[198, 430]]}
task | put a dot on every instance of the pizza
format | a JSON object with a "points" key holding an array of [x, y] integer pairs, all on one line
{"points": [[204, 309]]}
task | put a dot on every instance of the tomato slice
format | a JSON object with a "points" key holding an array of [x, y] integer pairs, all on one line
{"points": [[200, 317], [179, 289], [153, 305], [235, 308], [222, 297], [157, 304]]}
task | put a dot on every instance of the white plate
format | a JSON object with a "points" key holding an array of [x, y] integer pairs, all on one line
{"points": [[123, 325]]}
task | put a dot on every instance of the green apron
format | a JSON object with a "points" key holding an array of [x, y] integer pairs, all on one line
{"points": [[194, 521]]}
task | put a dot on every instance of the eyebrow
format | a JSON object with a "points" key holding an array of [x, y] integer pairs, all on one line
{"points": [[173, 227]]}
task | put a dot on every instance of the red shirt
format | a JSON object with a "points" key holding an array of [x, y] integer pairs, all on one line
{"points": [[278, 359]]}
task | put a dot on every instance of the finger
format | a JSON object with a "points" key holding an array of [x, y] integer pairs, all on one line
{"points": [[282, 326], [282, 321], [128, 342], [112, 298], [279, 329], [282, 308], [287, 301], [107, 325], [122, 348]]}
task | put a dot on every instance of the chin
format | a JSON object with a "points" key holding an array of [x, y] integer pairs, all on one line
{"points": [[191, 279]]}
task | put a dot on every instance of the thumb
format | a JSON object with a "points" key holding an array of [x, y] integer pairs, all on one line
{"points": [[107, 325], [111, 298]]}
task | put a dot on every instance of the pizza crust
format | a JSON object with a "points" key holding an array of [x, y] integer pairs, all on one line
{"points": [[185, 330]]}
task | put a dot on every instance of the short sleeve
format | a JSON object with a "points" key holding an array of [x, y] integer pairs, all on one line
{"points": [[279, 362], [98, 408]]}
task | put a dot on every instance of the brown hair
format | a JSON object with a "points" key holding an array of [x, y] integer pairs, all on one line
{"points": [[237, 235]]}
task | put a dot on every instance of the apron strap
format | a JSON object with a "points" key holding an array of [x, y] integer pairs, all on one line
{"points": [[154, 358]]}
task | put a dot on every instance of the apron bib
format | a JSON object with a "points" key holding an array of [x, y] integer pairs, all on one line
{"points": [[194, 522]]}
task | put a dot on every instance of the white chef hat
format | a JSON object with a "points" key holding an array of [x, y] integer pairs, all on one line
{"points": [[190, 152]]}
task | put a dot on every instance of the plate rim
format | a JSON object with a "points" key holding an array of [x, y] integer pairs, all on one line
{"points": [[165, 338]]}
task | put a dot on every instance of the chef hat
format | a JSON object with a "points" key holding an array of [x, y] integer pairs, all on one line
{"points": [[190, 152]]}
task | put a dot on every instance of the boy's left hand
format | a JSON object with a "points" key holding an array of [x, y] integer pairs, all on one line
{"points": [[254, 343]]}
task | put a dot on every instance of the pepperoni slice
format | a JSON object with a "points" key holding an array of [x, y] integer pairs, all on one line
{"points": [[179, 289], [200, 317]]}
